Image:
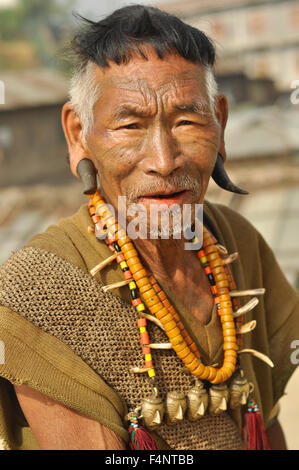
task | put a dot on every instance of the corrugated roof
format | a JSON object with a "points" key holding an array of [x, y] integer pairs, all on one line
{"points": [[29, 88]]}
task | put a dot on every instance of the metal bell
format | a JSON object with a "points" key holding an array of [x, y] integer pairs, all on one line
{"points": [[152, 411], [197, 400], [218, 399], [176, 406], [240, 389]]}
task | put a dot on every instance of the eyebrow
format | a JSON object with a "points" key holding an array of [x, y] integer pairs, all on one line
{"points": [[125, 111], [198, 106]]}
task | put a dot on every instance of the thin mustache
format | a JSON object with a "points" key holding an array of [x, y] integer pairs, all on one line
{"points": [[181, 182]]}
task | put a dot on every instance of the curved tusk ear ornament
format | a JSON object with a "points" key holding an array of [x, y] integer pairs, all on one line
{"points": [[259, 355], [88, 175], [221, 178]]}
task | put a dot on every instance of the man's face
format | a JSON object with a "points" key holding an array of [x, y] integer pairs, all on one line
{"points": [[154, 137]]}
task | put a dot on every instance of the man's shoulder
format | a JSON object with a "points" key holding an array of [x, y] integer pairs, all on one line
{"points": [[31, 270], [67, 245], [51, 271], [64, 239]]}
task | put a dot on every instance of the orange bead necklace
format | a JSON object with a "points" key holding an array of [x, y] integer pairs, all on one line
{"points": [[157, 303]]}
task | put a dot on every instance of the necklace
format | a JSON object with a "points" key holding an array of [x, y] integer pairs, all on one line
{"points": [[159, 305], [146, 293]]}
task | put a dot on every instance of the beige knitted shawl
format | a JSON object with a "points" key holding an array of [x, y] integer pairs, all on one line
{"points": [[46, 290]]}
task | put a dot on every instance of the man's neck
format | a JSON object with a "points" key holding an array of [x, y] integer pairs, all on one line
{"points": [[165, 259], [180, 271]]}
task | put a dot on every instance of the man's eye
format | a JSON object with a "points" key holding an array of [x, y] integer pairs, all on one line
{"points": [[129, 126], [185, 123]]}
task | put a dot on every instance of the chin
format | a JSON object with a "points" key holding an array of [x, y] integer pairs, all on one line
{"points": [[163, 233]]}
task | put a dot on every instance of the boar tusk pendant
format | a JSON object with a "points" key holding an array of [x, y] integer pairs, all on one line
{"points": [[246, 308]]}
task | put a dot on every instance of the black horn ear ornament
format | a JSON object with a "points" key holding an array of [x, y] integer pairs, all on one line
{"points": [[88, 175], [221, 178]]}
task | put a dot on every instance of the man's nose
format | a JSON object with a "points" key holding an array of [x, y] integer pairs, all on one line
{"points": [[161, 153]]}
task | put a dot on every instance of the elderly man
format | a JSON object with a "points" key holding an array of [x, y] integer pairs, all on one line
{"points": [[79, 373]]}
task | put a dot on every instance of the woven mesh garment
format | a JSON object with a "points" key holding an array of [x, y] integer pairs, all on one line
{"points": [[69, 304]]}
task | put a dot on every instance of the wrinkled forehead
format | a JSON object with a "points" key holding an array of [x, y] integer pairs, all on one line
{"points": [[159, 84], [158, 78]]}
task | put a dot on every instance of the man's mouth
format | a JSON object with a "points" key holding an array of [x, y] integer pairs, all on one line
{"points": [[165, 198], [169, 195]]}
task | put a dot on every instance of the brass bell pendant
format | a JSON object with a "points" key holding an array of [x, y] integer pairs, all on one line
{"points": [[152, 411], [240, 389], [197, 400], [218, 399], [176, 405]]}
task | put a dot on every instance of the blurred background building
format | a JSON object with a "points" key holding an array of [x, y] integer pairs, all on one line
{"points": [[259, 38], [258, 70]]}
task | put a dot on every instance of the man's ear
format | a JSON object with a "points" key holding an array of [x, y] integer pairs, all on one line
{"points": [[222, 115], [72, 129]]}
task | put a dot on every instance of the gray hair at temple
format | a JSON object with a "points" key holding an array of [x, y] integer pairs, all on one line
{"points": [[121, 35]]}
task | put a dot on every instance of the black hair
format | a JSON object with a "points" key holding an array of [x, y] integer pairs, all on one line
{"points": [[126, 31]]}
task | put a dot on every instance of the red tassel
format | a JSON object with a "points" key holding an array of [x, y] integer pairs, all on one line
{"points": [[254, 433], [140, 437]]}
